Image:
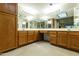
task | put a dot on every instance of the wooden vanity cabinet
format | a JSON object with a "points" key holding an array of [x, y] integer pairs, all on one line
{"points": [[43, 31], [73, 40], [52, 37], [36, 36], [26, 37], [62, 38], [31, 36], [22, 37]]}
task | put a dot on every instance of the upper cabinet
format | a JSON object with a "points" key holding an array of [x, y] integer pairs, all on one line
{"points": [[8, 8]]}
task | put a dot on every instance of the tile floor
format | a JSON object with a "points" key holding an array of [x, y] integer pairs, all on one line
{"points": [[40, 49]]}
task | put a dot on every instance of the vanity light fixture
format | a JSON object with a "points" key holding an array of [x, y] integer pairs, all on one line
{"points": [[29, 10], [45, 17], [51, 4], [52, 8], [29, 18], [49, 22], [23, 22]]}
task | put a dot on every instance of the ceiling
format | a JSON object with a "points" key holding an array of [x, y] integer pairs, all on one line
{"points": [[40, 7]]}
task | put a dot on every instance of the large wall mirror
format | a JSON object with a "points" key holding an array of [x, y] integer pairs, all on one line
{"points": [[46, 15]]}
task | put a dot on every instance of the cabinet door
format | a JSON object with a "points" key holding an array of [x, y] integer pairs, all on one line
{"points": [[74, 44], [7, 32], [8, 8], [36, 35], [73, 40], [30, 36], [12, 8], [22, 37], [62, 39], [53, 37], [4, 7]]}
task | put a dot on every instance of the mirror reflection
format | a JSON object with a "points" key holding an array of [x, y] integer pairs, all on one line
{"points": [[48, 15]]}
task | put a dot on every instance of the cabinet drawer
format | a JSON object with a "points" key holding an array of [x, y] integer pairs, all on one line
{"points": [[51, 35], [62, 33], [52, 32], [62, 36], [43, 31], [30, 32], [73, 33]]}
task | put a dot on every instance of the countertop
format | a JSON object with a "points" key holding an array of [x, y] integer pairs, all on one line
{"points": [[55, 29]]}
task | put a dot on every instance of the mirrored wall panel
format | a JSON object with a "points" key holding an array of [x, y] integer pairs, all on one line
{"points": [[46, 15]]}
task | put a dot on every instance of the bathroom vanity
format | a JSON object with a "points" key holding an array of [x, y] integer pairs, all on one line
{"points": [[18, 32], [58, 37]]}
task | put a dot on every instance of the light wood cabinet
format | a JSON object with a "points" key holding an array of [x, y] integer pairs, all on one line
{"points": [[22, 37], [62, 38], [31, 37], [8, 38], [73, 40], [7, 31], [26, 37], [36, 36], [53, 37], [67, 39], [43, 31]]}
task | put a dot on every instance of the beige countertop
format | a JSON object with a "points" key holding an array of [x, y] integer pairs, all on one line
{"points": [[55, 29]]}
